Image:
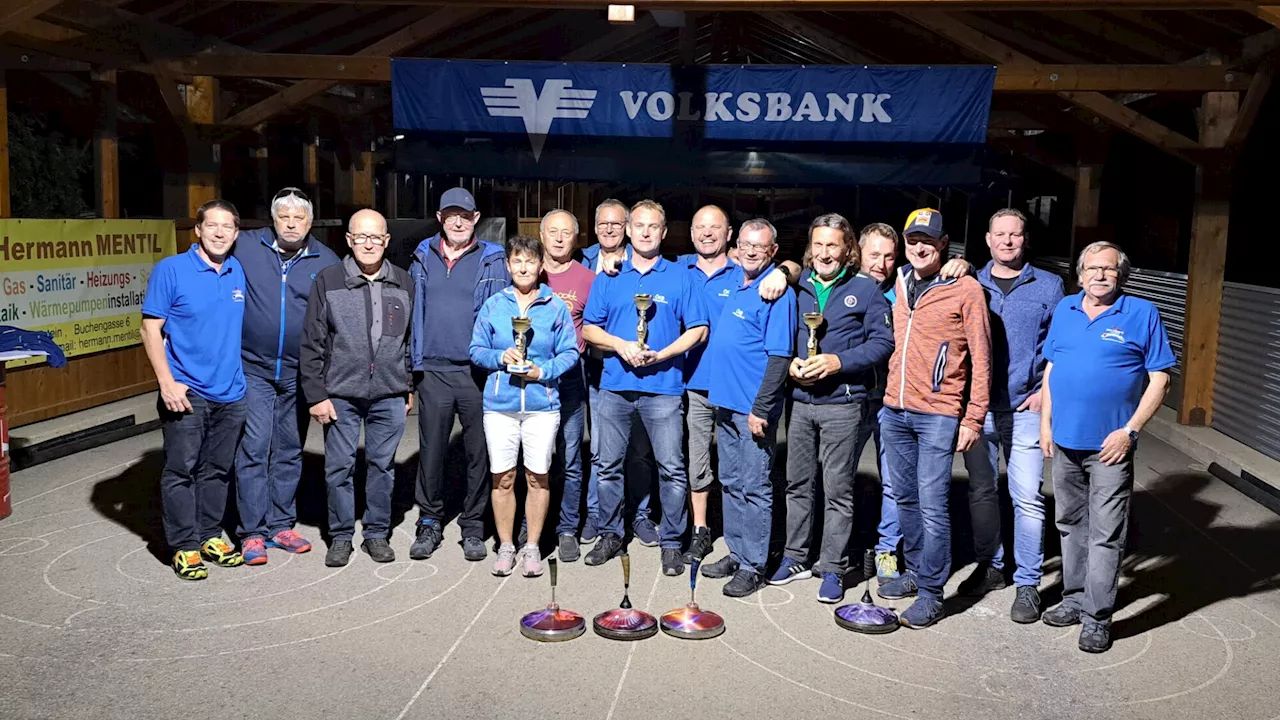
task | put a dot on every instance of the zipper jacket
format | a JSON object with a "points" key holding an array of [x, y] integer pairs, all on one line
{"points": [[941, 362], [491, 278], [1019, 326], [856, 327], [552, 345]]}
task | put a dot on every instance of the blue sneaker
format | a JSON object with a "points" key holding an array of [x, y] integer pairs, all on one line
{"points": [[790, 570], [903, 587], [832, 590], [590, 530], [646, 532], [924, 612]]}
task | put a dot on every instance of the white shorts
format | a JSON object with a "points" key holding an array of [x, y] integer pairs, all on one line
{"points": [[507, 432]]}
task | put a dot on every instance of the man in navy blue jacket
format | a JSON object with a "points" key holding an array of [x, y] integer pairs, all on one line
{"points": [[280, 263], [827, 393], [453, 273]]}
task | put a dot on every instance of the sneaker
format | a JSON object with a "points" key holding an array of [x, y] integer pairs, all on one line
{"points": [[290, 541], [672, 563], [699, 546], [832, 590], [590, 530], [430, 535], [219, 552], [188, 565], [744, 583], [506, 561], [568, 549], [982, 580], [378, 549], [886, 567], [722, 568], [924, 612], [1061, 616], [1095, 638], [522, 537], [339, 553], [790, 570], [473, 549], [254, 550], [1026, 605], [531, 561], [608, 548], [646, 532], [903, 587]]}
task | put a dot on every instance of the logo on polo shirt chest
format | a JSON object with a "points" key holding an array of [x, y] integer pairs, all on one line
{"points": [[237, 295], [724, 292], [739, 314], [1113, 334], [660, 299]]}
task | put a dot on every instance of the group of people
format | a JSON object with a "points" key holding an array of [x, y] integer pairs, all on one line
{"points": [[252, 336]]}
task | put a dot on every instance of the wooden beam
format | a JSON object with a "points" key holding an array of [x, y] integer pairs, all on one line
{"points": [[1023, 77], [1098, 28], [106, 145], [15, 12], [339, 68], [820, 36], [362, 187], [1253, 97], [14, 59], [311, 171], [204, 170], [431, 26], [5, 209], [1084, 213], [1270, 13]]}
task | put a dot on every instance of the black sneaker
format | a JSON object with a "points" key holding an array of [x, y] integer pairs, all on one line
{"points": [[379, 549], [722, 568], [983, 580], [430, 535], [607, 548], [1026, 606], [569, 548], [700, 546], [672, 563], [1095, 638], [1062, 616], [744, 583], [473, 549], [339, 553]]}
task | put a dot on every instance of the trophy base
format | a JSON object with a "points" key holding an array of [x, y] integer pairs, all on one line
{"points": [[519, 368]]}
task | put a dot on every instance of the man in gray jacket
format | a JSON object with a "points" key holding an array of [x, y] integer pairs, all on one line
{"points": [[354, 368]]}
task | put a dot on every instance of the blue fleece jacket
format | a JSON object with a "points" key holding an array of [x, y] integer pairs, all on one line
{"points": [[491, 278], [552, 345], [591, 254], [276, 300], [856, 327], [1019, 325]]}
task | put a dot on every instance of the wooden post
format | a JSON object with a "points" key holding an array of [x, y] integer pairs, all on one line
{"points": [[203, 157], [106, 145], [1084, 216], [362, 193], [262, 169], [1210, 219], [311, 172], [391, 194], [5, 210]]}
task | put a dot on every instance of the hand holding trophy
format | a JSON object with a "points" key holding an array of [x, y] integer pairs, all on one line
{"points": [[813, 321], [643, 303], [521, 326]]}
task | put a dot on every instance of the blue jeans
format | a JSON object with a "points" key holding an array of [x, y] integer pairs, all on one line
{"points": [[639, 465], [919, 448], [1019, 434], [269, 462], [383, 422], [663, 420], [199, 447], [888, 532], [745, 464], [573, 424]]}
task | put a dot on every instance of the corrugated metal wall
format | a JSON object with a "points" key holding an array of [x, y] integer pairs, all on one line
{"points": [[1246, 388]]}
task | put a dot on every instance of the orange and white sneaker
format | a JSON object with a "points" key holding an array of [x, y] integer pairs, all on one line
{"points": [[289, 540], [188, 566], [219, 552]]}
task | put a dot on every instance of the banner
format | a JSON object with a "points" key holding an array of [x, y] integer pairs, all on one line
{"points": [[878, 104], [81, 280]]}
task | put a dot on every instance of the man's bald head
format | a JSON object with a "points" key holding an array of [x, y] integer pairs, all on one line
{"points": [[367, 222], [711, 231]]}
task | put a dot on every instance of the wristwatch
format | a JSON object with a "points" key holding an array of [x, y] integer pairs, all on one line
{"points": [[1133, 434]]}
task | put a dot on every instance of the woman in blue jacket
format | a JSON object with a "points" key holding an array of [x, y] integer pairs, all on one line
{"points": [[522, 405]]}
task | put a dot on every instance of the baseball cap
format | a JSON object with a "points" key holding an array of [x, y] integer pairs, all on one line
{"points": [[924, 220], [459, 198]]}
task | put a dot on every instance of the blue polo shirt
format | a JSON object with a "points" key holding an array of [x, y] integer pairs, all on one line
{"points": [[203, 313], [715, 291], [1100, 367], [677, 307], [748, 331]]}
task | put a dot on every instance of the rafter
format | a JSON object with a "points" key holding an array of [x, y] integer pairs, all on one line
{"points": [[16, 12], [820, 36], [603, 44], [1097, 28], [1259, 85], [1270, 13]]}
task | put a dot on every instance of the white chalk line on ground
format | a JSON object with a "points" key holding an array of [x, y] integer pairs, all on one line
{"points": [[130, 463], [617, 692]]}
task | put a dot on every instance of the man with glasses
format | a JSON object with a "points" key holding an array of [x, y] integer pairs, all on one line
{"points": [[454, 273], [1103, 347], [280, 263]]}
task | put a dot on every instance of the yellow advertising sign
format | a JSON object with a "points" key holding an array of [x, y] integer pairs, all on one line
{"points": [[81, 280]]}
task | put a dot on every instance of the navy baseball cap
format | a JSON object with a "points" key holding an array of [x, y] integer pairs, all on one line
{"points": [[924, 220], [459, 198]]}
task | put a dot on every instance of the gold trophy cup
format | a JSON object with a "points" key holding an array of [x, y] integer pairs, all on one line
{"points": [[643, 303], [813, 320], [521, 326]]}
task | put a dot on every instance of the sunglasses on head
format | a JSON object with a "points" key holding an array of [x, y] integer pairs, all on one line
{"points": [[286, 192]]}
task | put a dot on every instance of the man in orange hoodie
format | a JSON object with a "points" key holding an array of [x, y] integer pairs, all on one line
{"points": [[934, 405]]}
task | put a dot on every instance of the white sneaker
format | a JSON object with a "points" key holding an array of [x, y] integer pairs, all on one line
{"points": [[506, 561], [532, 560]]}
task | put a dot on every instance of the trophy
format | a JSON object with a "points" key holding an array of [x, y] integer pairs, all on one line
{"points": [[521, 326], [813, 320], [643, 303]]}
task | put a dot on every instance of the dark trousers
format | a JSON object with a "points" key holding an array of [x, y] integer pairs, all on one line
{"points": [[746, 462], [1092, 505], [573, 423], [269, 461], [821, 435], [440, 395], [199, 448], [383, 422]]}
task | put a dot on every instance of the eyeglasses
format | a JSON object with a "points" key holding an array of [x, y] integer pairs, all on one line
{"points": [[757, 247], [1107, 270], [286, 192], [610, 225], [466, 217], [378, 240]]}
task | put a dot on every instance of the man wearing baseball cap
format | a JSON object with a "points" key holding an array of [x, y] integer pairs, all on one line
{"points": [[453, 274], [934, 405]]}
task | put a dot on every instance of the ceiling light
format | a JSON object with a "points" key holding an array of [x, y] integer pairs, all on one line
{"points": [[622, 13]]}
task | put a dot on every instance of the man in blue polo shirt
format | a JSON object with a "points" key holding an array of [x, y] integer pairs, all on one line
{"points": [[643, 381], [1103, 347], [750, 350], [280, 262], [191, 323]]}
